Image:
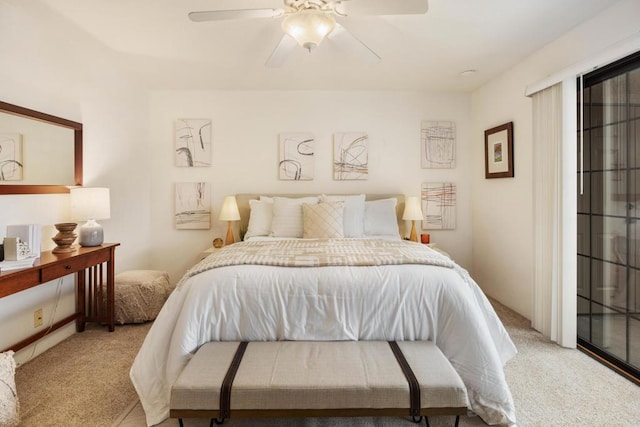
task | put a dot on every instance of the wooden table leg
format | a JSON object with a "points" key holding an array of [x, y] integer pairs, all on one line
{"points": [[80, 301], [111, 291]]}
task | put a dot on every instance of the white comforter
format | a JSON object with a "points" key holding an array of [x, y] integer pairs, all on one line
{"points": [[393, 302]]}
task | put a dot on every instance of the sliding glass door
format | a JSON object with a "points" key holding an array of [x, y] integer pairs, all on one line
{"points": [[609, 215]]}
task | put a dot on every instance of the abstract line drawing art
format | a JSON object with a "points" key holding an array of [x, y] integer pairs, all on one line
{"points": [[438, 144], [193, 206], [11, 157], [297, 161], [350, 156], [193, 143], [439, 206]]}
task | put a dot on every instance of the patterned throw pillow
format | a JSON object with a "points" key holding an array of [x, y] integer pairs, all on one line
{"points": [[9, 406], [323, 220]]}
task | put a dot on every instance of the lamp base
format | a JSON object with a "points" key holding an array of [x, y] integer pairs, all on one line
{"points": [[413, 236], [229, 240], [90, 234]]}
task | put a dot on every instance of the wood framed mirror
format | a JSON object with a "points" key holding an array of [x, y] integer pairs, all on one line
{"points": [[39, 153]]}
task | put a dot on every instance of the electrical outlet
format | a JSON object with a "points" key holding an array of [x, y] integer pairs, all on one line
{"points": [[37, 318]]}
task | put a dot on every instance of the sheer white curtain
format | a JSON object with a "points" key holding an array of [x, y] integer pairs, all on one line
{"points": [[554, 179]]}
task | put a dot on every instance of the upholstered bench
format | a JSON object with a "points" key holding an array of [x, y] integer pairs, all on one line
{"points": [[318, 378], [140, 294]]}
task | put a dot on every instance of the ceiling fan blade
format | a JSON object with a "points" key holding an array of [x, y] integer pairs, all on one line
{"points": [[382, 7], [221, 15], [282, 51], [346, 42]]}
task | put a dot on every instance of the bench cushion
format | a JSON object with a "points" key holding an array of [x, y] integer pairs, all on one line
{"points": [[289, 375]]}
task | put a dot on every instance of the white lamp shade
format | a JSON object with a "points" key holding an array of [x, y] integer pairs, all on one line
{"points": [[412, 209], [308, 27], [229, 211], [90, 203]]}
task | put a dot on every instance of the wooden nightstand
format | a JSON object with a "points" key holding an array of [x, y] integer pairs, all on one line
{"points": [[207, 252], [435, 247]]}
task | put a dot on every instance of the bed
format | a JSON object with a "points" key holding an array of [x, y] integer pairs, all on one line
{"points": [[285, 283]]}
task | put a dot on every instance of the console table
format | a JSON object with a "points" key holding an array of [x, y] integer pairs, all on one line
{"points": [[94, 269]]}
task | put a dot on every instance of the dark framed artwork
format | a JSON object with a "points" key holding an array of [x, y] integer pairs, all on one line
{"points": [[498, 151]]}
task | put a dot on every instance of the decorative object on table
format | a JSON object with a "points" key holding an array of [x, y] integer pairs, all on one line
{"points": [[193, 143], [218, 243], [15, 249], [297, 161], [229, 213], [413, 213], [425, 238], [89, 204], [193, 206], [17, 255], [438, 144], [498, 151], [350, 156], [11, 164], [31, 234], [65, 237], [439, 206], [9, 404], [140, 294]]}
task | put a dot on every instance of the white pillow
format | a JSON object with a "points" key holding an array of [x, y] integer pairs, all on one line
{"points": [[9, 406], [260, 218], [323, 220], [380, 217], [353, 213], [287, 216]]}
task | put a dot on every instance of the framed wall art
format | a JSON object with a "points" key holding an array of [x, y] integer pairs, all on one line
{"points": [[10, 157], [498, 151], [438, 144], [193, 143], [350, 156], [439, 205], [297, 161], [193, 206]]}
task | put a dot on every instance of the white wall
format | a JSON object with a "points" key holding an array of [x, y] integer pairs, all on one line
{"points": [[50, 66], [502, 208], [246, 125]]}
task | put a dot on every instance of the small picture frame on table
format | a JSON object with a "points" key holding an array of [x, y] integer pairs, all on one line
{"points": [[498, 151]]}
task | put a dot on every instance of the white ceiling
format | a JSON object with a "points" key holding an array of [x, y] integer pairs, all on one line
{"points": [[418, 51]]}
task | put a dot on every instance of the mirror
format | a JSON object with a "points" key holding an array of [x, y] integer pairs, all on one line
{"points": [[39, 153]]}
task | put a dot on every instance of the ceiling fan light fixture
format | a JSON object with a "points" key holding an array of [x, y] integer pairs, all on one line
{"points": [[309, 27]]}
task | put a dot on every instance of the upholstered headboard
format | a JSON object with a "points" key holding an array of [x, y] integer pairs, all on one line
{"points": [[243, 205]]}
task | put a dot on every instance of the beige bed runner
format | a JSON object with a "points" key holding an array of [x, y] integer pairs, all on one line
{"points": [[321, 253]]}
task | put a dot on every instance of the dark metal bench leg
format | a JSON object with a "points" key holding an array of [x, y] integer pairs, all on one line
{"points": [[180, 422], [426, 420], [457, 420]]}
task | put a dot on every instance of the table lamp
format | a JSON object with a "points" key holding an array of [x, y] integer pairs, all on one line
{"points": [[412, 212], [229, 212], [89, 204]]}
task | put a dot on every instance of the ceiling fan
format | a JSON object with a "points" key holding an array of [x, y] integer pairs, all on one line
{"points": [[308, 22]]}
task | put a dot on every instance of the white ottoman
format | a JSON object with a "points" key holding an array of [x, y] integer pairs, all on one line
{"points": [[140, 294]]}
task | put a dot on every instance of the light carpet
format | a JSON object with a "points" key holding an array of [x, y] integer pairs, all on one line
{"points": [[84, 382]]}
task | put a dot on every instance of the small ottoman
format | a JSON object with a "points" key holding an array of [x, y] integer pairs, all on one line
{"points": [[140, 294]]}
